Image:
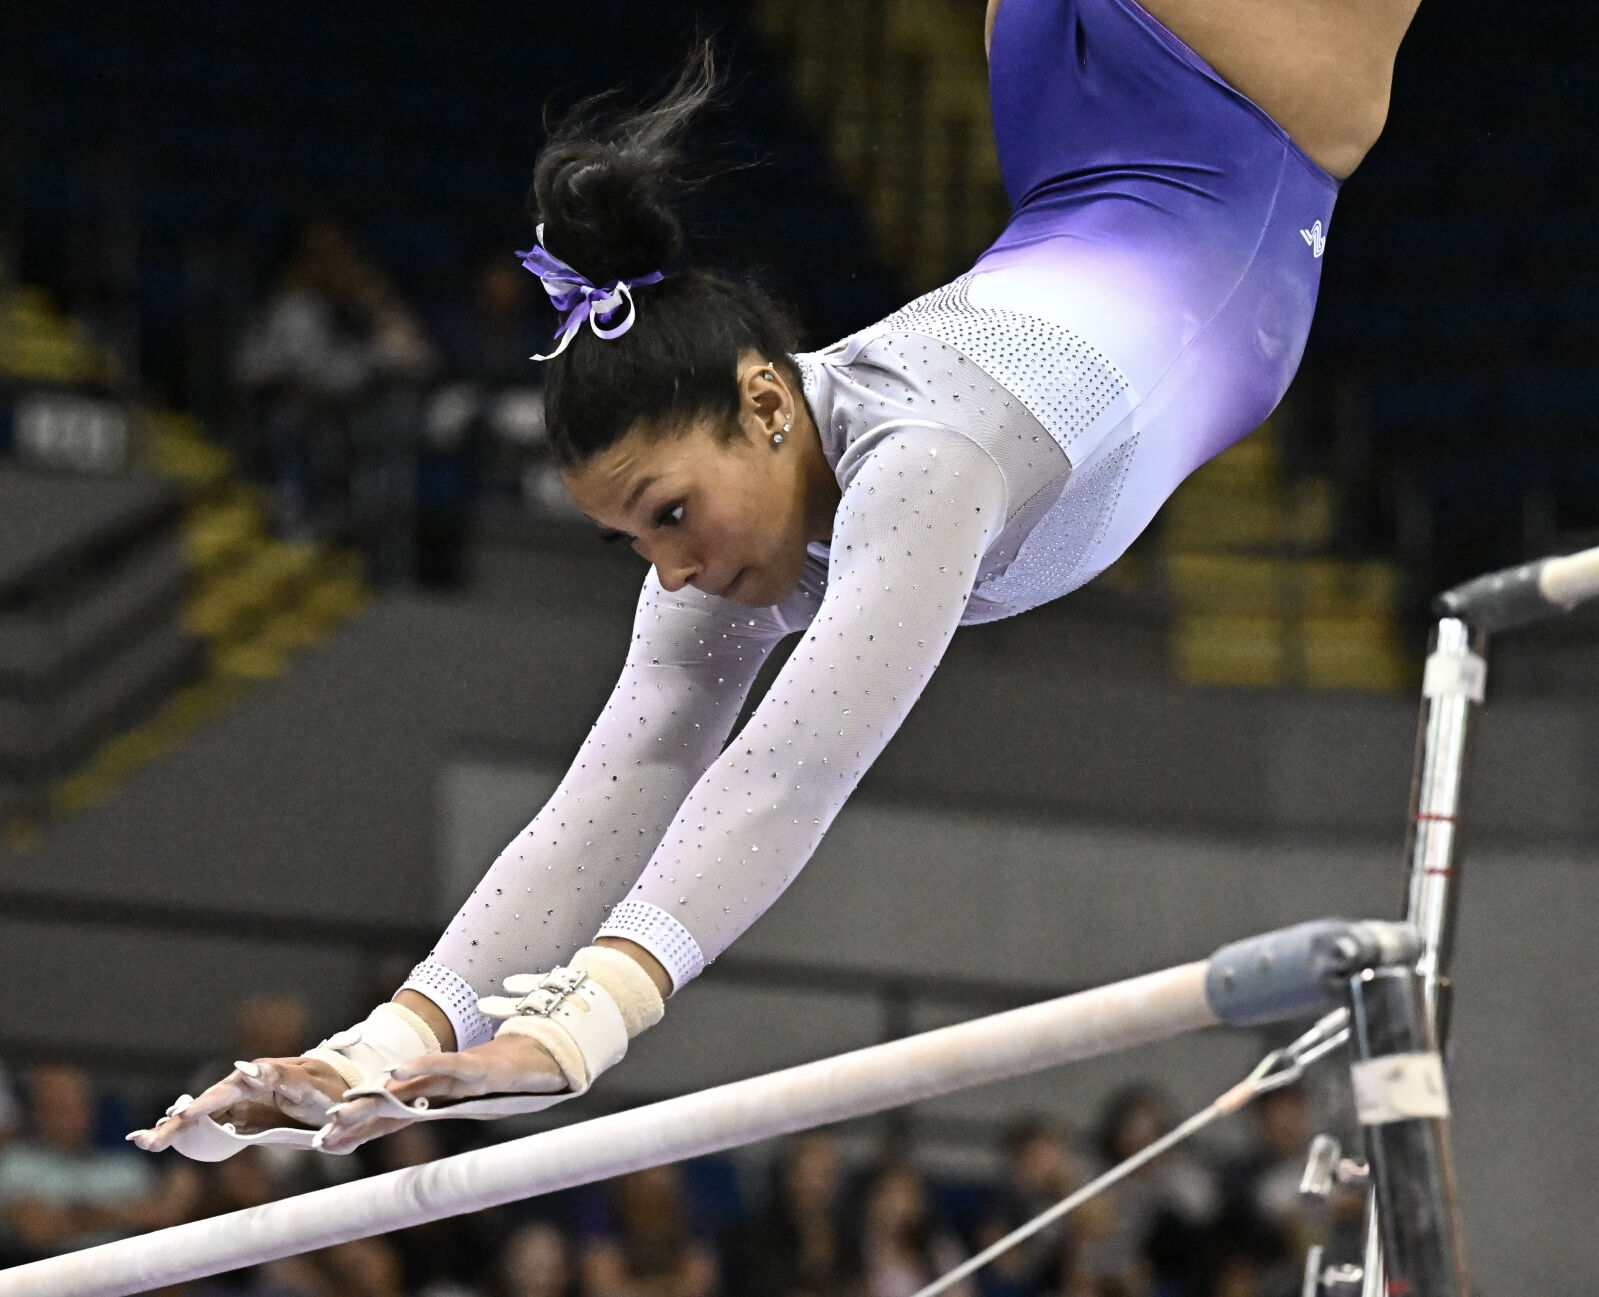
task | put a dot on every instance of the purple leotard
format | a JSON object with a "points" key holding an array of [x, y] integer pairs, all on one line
{"points": [[997, 443], [1173, 217]]}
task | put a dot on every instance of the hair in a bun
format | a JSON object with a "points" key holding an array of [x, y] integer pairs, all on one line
{"points": [[605, 189]]}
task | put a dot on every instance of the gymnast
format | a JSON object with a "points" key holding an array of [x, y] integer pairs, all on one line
{"points": [[985, 449]]}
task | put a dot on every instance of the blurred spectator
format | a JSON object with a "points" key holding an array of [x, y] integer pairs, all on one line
{"points": [[898, 1244], [1163, 1235], [1267, 1218], [488, 424], [59, 1192], [333, 362], [650, 1250], [274, 1026], [793, 1246], [363, 1267], [508, 322], [1040, 1169], [10, 1113], [536, 1261], [334, 324], [1241, 1275]]}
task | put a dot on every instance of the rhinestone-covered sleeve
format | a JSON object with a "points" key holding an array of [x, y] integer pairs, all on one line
{"points": [[688, 670], [915, 519]]}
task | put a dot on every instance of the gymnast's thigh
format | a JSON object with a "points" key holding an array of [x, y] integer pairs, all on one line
{"points": [[1321, 69]]}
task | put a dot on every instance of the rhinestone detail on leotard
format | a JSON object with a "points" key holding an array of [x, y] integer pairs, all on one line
{"points": [[456, 999], [660, 934], [1063, 379]]}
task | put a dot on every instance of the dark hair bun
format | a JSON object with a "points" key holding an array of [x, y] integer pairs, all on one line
{"points": [[605, 188]]}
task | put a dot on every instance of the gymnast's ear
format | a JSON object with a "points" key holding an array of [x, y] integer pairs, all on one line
{"points": [[767, 392]]}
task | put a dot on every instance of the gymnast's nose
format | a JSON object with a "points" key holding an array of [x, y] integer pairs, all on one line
{"points": [[675, 570]]}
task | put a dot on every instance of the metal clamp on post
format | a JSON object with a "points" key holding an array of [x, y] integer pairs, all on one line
{"points": [[1403, 1104], [1298, 971]]}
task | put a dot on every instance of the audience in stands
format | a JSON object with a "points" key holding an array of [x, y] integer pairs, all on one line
{"points": [[643, 1243], [792, 1244], [10, 1113], [896, 1241], [334, 325], [1269, 1226], [333, 364], [264, 1026], [1040, 1169], [536, 1261], [59, 1191], [822, 1225], [492, 340], [1161, 1235]]}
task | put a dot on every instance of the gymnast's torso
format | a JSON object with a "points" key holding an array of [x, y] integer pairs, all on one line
{"points": [[1146, 306], [996, 443]]}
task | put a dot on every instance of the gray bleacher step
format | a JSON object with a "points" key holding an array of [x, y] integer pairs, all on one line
{"points": [[57, 527], [43, 735], [43, 646]]}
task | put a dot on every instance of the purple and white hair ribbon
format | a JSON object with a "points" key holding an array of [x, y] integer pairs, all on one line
{"points": [[577, 299]]}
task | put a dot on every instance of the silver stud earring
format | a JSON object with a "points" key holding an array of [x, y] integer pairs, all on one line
{"points": [[777, 437]]}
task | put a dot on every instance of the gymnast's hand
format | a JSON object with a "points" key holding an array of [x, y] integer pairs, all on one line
{"points": [[508, 1064], [255, 1096]]}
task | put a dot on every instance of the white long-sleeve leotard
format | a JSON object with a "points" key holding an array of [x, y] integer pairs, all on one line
{"points": [[659, 834], [997, 442], [990, 459]]}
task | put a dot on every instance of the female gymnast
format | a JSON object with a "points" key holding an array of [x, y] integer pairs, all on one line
{"points": [[986, 449]]}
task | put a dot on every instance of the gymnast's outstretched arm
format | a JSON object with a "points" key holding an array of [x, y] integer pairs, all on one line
{"points": [[689, 668], [910, 533]]}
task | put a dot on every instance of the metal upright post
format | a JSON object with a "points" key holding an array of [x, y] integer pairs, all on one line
{"points": [[1452, 687], [1403, 1106]]}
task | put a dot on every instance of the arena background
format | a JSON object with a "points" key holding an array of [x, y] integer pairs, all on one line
{"points": [[290, 645]]}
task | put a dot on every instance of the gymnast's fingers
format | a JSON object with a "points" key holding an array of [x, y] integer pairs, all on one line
{"points": [[301, 1088], [256, 1095], [242, 1082], [354, 1122]]}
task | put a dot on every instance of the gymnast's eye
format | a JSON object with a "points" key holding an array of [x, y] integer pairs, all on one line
{"points": [[670, 516]]}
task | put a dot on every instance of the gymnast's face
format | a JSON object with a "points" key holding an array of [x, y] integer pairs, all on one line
{"points": [[728, 511]]}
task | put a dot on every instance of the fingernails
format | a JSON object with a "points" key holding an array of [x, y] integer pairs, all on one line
{"points": [[184, 1100], [133, 1135], [249, 1069]]}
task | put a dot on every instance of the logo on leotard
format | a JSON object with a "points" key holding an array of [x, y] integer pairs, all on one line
{"points": [[1315, 238]]}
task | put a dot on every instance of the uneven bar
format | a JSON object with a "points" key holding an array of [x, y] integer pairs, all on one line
{"points": [[1090, 1023], [1279, 975]]}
